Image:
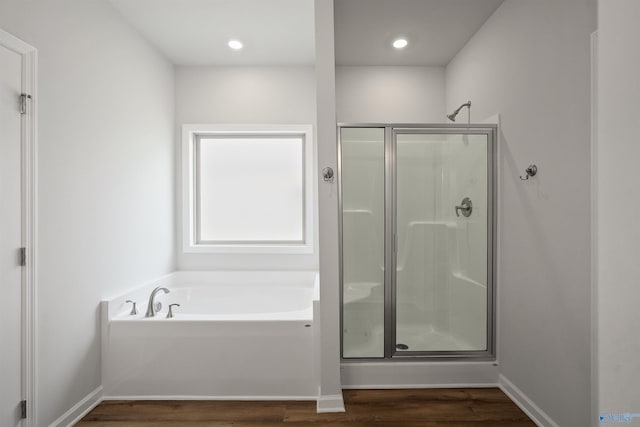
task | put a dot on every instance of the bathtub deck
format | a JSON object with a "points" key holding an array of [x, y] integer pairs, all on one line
{"points": [[423, 407]]}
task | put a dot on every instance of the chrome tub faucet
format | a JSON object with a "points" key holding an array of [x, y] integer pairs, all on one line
{"points": [[153, 307]]}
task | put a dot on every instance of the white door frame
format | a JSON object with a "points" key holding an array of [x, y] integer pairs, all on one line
{"points": [[29, 188]]}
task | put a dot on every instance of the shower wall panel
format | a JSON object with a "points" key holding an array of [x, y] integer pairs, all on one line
{"points": [[468, 279]]}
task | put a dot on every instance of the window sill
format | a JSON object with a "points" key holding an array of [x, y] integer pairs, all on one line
{"points": [[249, 249]]}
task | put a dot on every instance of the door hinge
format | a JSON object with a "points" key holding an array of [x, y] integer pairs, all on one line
{"points": [[23, 257], [23, 103], [23, 409]]}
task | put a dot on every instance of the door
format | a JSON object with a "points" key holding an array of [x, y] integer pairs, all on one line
{"points": [[443, 228], [11, 274], [417, 241]]}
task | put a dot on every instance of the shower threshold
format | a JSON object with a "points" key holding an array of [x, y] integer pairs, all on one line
{"points": [[416, 339]]}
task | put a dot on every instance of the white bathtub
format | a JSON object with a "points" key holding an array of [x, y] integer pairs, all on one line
{"points": [[236, 335]]}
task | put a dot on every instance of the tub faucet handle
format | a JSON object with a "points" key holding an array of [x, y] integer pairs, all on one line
{"points": [[170, 313], [134, 310]]}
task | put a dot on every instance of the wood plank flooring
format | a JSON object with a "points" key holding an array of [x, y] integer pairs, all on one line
{"points": [[402, 408]]}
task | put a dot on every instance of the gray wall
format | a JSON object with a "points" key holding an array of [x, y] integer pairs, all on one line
{"points": [[385, 94], [105, 178], [242, 95], [618, 151], [530, 63]]}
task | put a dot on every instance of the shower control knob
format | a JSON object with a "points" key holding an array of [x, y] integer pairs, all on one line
{"points": [[466, 207]]}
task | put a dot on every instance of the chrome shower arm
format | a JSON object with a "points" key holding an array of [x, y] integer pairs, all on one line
{"points": [[453, 115]]}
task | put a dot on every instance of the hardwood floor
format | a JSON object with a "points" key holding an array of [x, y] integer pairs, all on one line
{"points": [[417, 407]]}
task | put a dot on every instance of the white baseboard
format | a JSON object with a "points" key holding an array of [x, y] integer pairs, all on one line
{"points": [[330, 403], [80, 409], [527, 405], [199, 397], [410, 386]]}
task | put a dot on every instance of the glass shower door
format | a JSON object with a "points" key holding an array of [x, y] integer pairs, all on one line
{"points": [[443, 221], [362, 172]]}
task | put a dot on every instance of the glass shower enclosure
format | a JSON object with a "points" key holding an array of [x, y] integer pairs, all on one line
{"points": [[417, 240]]}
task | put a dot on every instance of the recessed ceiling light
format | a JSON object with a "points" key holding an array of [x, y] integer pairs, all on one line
{"points": [[235, 44], [400, 43]]}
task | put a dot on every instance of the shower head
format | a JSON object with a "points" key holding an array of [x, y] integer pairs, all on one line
{"points": [[453, 115]]}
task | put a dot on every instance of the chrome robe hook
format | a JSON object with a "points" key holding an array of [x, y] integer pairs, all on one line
{"points": [[531, 171], [327, 174]]}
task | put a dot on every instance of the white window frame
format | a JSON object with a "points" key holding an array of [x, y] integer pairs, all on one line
{"points": [[190, 133]]}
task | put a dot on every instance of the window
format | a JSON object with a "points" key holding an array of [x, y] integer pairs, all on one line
{"points": [[247, 189]]}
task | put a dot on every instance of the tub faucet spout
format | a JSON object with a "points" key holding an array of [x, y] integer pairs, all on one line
{"points": [[153, 307]]}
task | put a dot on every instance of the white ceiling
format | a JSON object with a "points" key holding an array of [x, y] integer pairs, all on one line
{"points": [[196, 32], [436, 29], [281, 32]]}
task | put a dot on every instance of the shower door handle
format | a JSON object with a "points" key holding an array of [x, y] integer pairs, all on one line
{"points": [[466, 207]]}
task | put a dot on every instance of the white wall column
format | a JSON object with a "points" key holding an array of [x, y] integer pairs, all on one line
{"points": [[618, 232], [330, 392]]}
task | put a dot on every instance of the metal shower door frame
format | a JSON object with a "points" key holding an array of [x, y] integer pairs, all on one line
{"points": [[390, 238]]}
